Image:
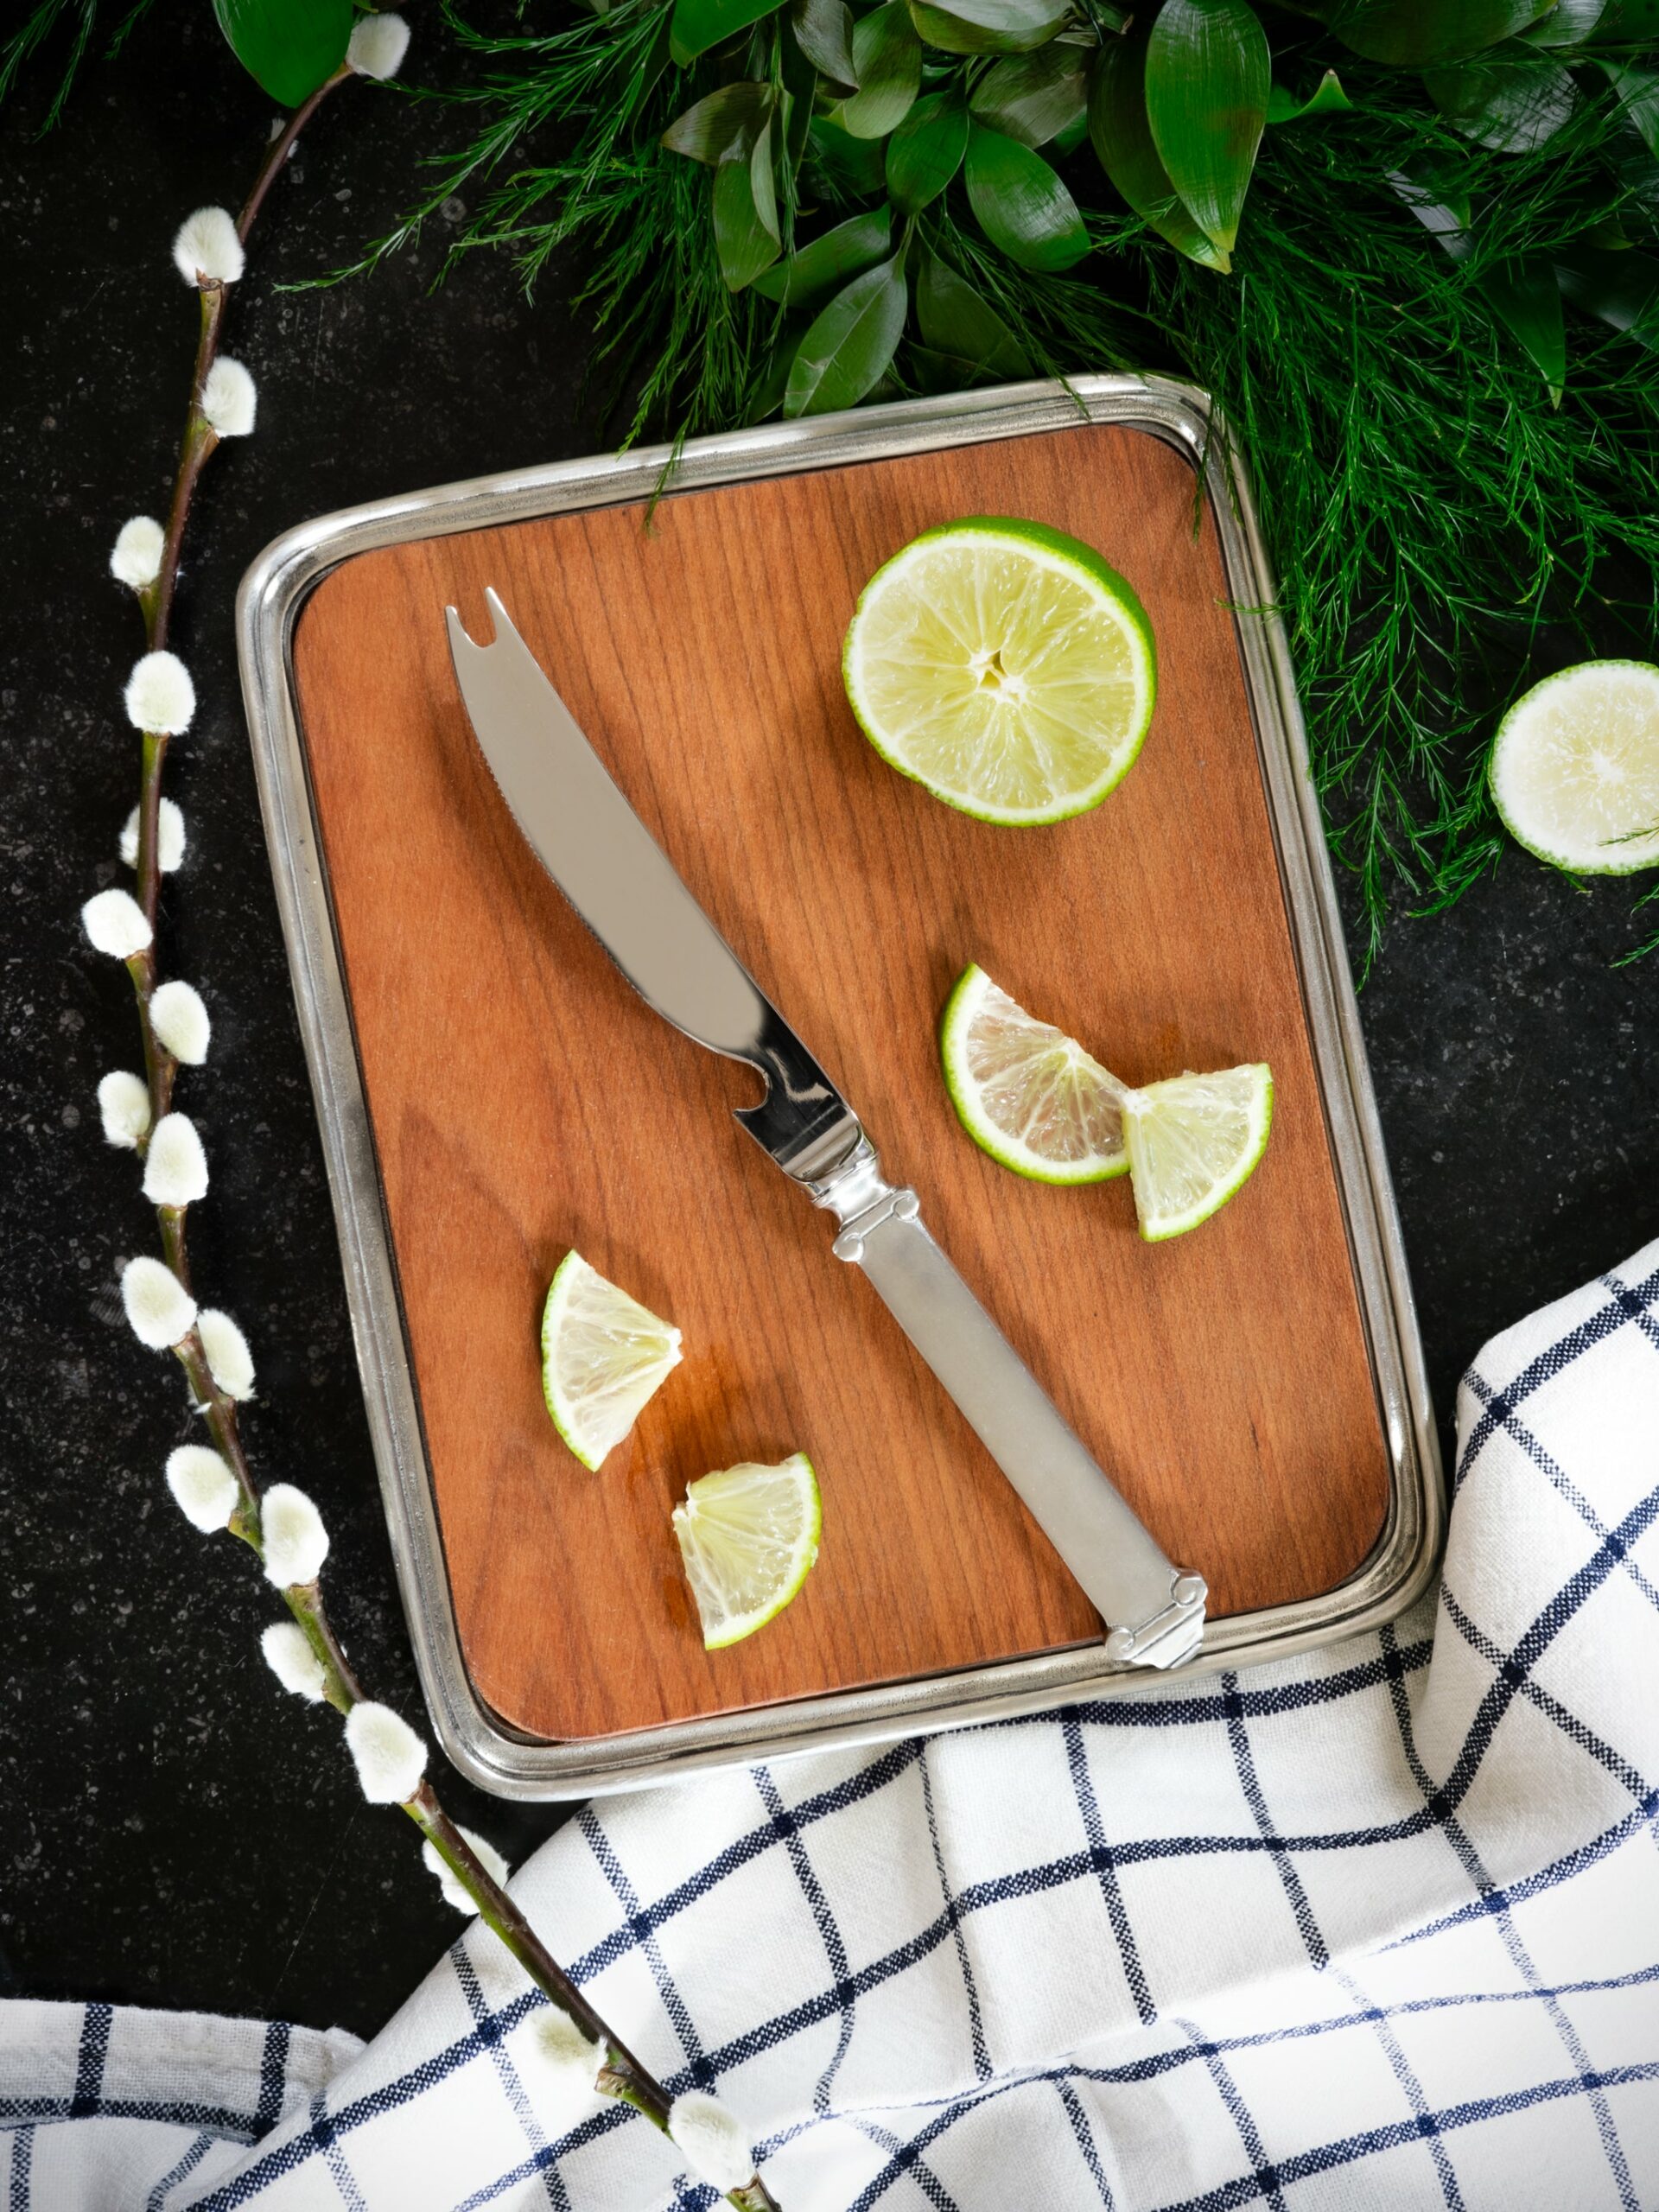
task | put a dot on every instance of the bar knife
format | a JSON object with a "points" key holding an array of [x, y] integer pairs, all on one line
{"points": [[622, 885]]}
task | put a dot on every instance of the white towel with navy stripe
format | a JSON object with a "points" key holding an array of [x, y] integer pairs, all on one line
{"points": [[1375, 1928]]}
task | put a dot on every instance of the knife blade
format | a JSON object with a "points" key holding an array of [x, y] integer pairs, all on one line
{"points": [[623, 886]]}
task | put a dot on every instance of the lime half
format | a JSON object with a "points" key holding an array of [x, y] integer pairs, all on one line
{"points": [[1575, 770], [748, 1536], [1005, 667], [603, 1356], [1192, 1142], [1026, 1092]]}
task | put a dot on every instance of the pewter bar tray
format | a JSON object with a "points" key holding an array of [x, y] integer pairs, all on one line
{"points": [[497, 1757]]}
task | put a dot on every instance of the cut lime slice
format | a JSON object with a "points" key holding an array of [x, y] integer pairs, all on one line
{"points": [[1192, 1142], [1025, 1092], [1005, 667], [1575, 770], [603, 1356], [748, 1536]]}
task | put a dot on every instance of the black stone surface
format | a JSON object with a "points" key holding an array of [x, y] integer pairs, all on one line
{"points": [[174, 1831]]}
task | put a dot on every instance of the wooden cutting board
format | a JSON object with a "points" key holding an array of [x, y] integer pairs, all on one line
{"points": [[523, 1100]]}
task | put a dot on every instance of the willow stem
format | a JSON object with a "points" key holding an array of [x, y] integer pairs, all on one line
{"points": [[281, 147], [160, 1066], [622, 2076], [195, 449]]}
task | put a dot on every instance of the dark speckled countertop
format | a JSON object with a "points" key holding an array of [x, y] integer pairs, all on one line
{"points": [[174, 1832]]}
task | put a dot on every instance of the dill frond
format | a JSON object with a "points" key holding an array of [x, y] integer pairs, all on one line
{"points": [[37, 28], [1442, 533], [1443, 536]]}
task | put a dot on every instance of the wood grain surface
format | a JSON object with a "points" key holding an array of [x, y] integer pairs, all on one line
{"points": [[524, 1100]]}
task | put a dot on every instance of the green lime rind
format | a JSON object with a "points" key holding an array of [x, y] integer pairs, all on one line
{"points": [[735, 1628], [1625, 856], [1096, 574], [1160, 1230], [552, 1397], [1019, 1159], [566, 1276]]}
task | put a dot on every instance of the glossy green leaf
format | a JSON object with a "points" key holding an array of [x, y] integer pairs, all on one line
{"points": [[695, 25], [726, 122], [1569, 23], [1637, 93], [934, 372], [1637, 171], [823, 31], [1022, 207], [1511, 101], [762, 188], [957, 320], [1526, 299], [925, 151], [1121, 139], [1597, 22], [1069, 140], [1208, 75], [746, 214], [288, 47], [1417, 34], [1621, 289], [847, 349], [988, 26], [768, 394], [857, 167], [887, 62], [1610, 233], [1521, 293], [795, 103], [1035, 97], [1327, 97], [840, 253], [1446, 219]]}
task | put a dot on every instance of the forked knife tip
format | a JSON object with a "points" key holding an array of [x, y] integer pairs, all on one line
{"points": [[501, 623]]}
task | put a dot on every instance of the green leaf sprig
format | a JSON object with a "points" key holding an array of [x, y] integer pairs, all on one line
{"points": [[920, 99], [289, 47], [1421, 272]]}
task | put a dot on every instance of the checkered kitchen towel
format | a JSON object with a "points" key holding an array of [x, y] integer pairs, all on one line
{"points": [[1378, 1928]]}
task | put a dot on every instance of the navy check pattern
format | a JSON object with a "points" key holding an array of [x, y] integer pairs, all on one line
{"points": [[1375, 1928]]}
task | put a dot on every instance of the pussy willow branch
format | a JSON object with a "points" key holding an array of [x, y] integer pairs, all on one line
{"points": [[622, 2076]]}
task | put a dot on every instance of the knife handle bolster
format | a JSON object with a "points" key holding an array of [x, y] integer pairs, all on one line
{"points": [[1153, 1610], [891, 1205]]}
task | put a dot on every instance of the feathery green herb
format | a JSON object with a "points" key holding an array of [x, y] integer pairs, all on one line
{"points": [[1458, 475], [79, 18], [1444, 536], [1411, 245]]}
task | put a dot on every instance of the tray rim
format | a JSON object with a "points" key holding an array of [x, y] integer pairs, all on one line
{"points": [[1400, 1565]]}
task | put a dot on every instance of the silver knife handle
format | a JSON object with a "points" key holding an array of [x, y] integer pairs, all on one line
{"points": [[1153, 1611]]}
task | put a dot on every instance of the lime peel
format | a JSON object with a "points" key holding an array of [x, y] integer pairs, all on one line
{"points": [[748, 1536], [604, 1357], [1005, 667]]}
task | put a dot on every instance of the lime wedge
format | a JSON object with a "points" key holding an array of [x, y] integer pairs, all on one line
{"points": [[1192, 1142], [1005, 667], [1025, 1092], [748, 1536], [603, 1356], [1575, 770]]}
